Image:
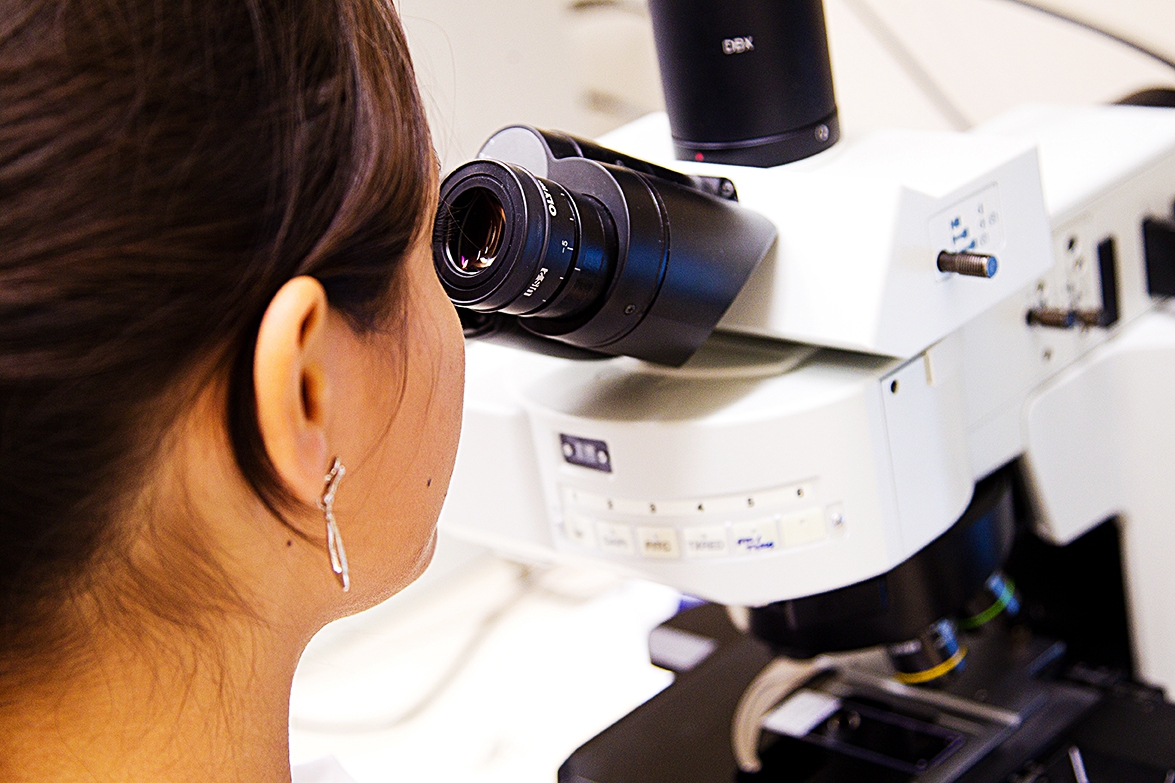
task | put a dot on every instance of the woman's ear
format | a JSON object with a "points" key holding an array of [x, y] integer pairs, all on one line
{"points": [[290, 381]]}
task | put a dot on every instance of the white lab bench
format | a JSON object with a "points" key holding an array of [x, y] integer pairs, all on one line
{"points": [[481, 672]]}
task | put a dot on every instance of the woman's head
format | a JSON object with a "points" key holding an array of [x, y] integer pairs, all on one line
{"points": [[166, 171]]}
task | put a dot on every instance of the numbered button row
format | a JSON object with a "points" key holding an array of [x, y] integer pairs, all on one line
{"points": [[780, 498]]}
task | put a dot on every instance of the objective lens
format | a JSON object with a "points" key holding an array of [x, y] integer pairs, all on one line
{"points": [[508, 241], [930, 657], [479, 220]]}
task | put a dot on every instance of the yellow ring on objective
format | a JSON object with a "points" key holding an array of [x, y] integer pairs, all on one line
{"points": [[917, 678]]}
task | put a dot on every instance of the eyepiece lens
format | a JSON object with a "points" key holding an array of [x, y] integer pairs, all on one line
{"points": [[478, 223], [507, 241]]}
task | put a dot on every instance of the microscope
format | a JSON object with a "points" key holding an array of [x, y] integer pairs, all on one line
{"points": [[900, 412]]}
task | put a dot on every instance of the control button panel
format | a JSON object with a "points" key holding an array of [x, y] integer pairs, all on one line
{"points": [[745, 525]]}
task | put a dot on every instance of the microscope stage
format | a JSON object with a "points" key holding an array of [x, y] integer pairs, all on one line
{"points": [[1006, 717]]}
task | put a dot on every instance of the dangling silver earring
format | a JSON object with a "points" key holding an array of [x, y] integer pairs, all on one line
{"points": [[334, 540]]}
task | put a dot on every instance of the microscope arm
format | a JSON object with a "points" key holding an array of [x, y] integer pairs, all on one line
{"points": [[1100, 443]]}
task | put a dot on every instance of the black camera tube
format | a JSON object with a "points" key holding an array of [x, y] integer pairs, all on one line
{"points": [[747, 82]]}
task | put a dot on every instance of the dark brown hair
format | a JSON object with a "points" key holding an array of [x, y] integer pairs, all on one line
{"points": [[165, 167]]}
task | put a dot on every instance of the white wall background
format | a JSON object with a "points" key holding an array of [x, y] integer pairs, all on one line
{"points": [[589, 66]]}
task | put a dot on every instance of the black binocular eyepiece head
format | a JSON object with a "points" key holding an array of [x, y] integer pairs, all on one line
{"points": [[605, 253]]}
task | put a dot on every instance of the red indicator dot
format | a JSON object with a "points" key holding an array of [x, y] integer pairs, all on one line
{"points": [[699, 157]]}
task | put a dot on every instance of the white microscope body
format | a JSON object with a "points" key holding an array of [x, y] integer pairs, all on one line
{"points": [[854, 394]]}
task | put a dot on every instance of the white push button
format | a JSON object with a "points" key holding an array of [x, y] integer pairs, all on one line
{"points": [[757, 536], [705, 541], [805, 527], [659, 542], [613, 538], [581, 530]]}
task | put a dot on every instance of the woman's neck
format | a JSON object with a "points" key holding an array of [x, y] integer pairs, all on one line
{"points": [[147, 711]]}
